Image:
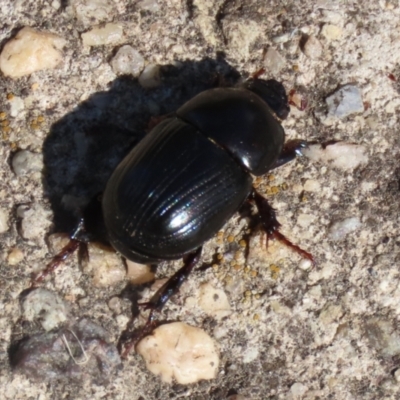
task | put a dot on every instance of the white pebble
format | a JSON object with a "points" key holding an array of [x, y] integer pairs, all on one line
{"points": [[104, 265], [344, 102], [313, 48], [150, 77], [30, 51], [35, 221], [16, 106], [148, 5], [213, 301], [273, 61], [181, 352], [98, 36], [25, 162], [305, 264], [397, 375], [311, 185], [91, 12], [339, 229], [298, 390], [331, 32], [45, 306], [127, 61], [138, 273], [15, 256], [3, 220], [343, 155]]}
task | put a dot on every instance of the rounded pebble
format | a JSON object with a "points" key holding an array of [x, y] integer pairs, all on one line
{"points": [[148, 5], [91, 12], [25, 162], [312, 48], [273, 61], [3, 221], [103, 35], [181, 352], [138, 274], [46, 307], [340, 229], [213, 301], [150, 77], [15, 256], [105, 266], [31, 51], [127, 61]]}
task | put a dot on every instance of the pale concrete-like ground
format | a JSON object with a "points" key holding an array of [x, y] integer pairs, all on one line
{"points": [[328, 332]]}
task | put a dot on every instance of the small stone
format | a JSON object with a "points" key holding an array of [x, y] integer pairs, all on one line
{"points": [[150, 77], [305, 220], [383, 336], [138, 274], [331, 32], [46, 307], [17, 105], [25, 162], [213, 301], [56, 4], [305, 264], [57, 241], [89, 355], [397, 375], [240, 34], [342, 155], [312, 48], [98, 36], [298, 390], [35, 221], [31, 51], [127, 61], [104, 265], [15, 256], [340, 229], [92, 12], [331, 313], [148, 5], [345, 101], [114, 304], [181, 352], [311, 185], [3, 221], [273, 61]]}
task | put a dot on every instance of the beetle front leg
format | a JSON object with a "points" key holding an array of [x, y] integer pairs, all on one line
{"points": [[158, 300], [271, 225], [291, 150]]}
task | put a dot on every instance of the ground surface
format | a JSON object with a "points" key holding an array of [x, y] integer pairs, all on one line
{"points": [[327, 332]]}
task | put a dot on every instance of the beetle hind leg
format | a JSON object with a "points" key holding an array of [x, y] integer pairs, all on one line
{"points": [[271, 225], [160, 298]]}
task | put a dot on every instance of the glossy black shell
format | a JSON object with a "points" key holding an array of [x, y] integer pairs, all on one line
{"points": [[190, 174]]}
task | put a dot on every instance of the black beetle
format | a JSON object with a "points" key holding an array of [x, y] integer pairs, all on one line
{"points": [[190, 174]]}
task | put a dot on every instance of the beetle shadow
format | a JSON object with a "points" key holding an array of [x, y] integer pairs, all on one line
{"points": [[84, 147]]}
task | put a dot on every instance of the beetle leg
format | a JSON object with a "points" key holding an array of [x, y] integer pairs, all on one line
{"points": [[271, 225], [158, 300], [291, 150], [63, 255], [67, 251]]}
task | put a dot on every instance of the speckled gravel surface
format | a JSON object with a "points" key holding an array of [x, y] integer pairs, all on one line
{"points": [[294, 331]]}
